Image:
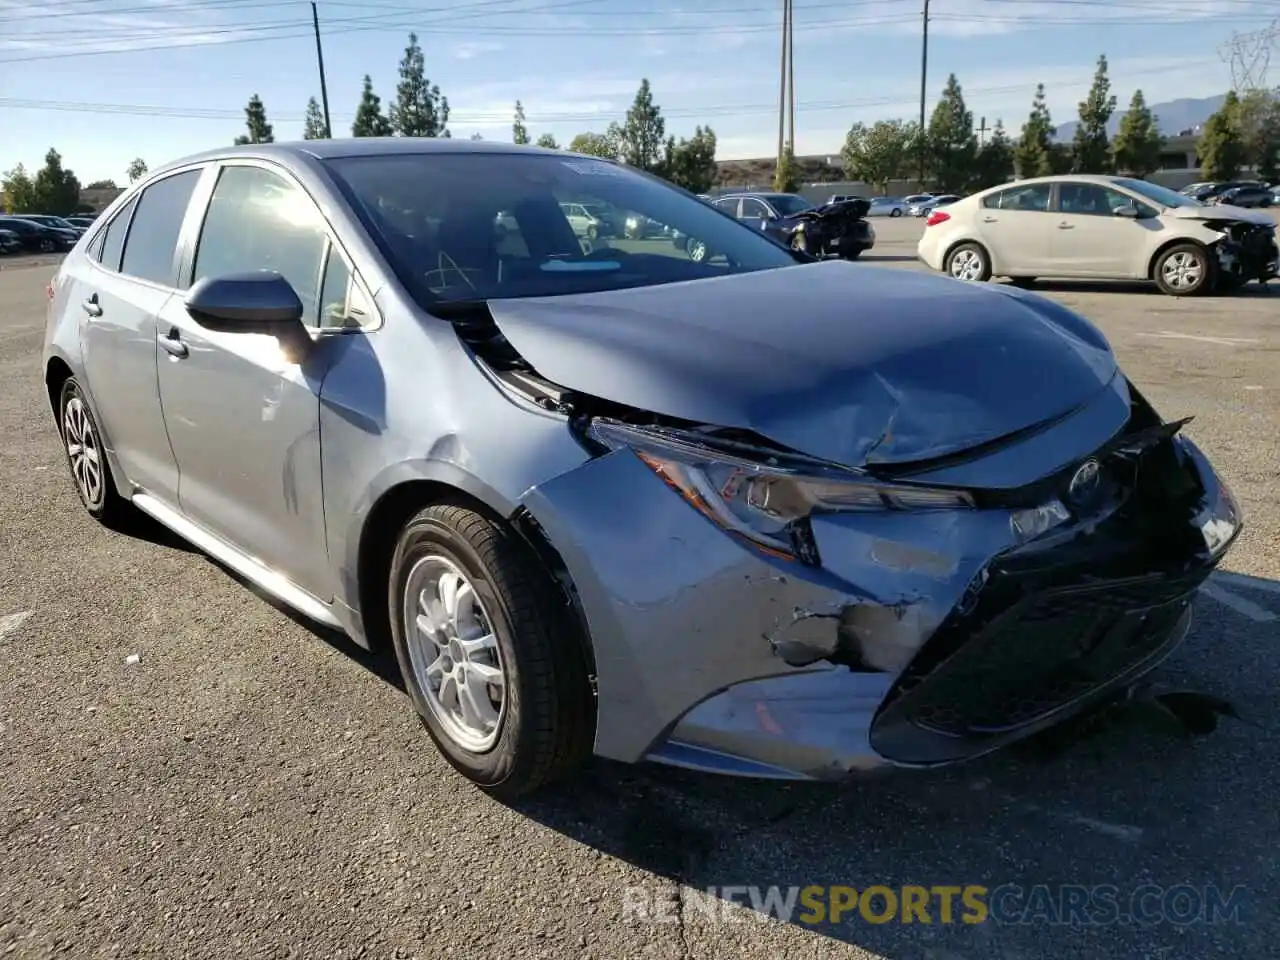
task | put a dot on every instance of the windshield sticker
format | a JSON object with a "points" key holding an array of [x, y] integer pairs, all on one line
{"points": [[593, 169], [587, 266]]}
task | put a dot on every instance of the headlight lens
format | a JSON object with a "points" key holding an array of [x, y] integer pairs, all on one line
{"points": [[761, 500]]}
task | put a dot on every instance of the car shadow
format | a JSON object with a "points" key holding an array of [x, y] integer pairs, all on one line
{"points": [[888, 258]]}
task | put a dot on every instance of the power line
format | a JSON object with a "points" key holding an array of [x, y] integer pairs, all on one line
{"points": [[464, 118]]}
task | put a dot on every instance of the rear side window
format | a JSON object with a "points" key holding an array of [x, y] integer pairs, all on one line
{"points": [[1034, 198], [157, 222], [112, 245]]}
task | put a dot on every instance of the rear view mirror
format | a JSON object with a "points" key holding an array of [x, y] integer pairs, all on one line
{"points": [[1128, 210], [258, 302]]}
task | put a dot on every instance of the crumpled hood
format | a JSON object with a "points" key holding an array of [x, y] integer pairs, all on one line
{"points": [[846, 362], [1221, 211]]}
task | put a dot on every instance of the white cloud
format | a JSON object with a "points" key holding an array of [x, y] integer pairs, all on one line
{"points": [[472, 49]]}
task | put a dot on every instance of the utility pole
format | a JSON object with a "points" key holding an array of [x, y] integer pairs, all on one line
{"points": [[324, 87], [791, 77], [784, 97], [924, 77], [982, 132]]}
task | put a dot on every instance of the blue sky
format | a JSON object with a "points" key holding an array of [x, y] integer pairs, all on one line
{"points": [[105, 81]]}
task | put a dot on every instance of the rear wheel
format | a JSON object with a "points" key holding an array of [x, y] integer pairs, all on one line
{"points": [[489, 652], [969, 262], [87, 460], [1183, 270], [895, 212]]}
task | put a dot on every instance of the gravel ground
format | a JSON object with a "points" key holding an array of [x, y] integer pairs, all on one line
{"points": [[253, 787]]}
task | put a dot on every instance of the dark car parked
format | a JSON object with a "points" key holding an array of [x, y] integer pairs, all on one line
{"points": [[833, 229], [58, 223], [39, 238], [1253, 195], [1210, 192], [10, 242]]}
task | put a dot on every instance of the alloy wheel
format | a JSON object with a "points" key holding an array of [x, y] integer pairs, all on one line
{"points": [[83, 451], [966, 265], [454, 653]]}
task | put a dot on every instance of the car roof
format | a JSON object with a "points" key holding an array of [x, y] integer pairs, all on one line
{"points": [[363, 147]]}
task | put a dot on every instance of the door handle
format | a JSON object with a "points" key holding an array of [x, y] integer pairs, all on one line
{"points": [[1066, 226], [91, 306], [172, 344], [990, 219]]}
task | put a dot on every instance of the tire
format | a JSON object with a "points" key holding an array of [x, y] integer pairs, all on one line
{"points": [[543, 728], [47, 246], [1184, 270], [798, 242], [968, 262], [895, 212], [697, 251], [86, 458], [592, 231], [853, 253]]}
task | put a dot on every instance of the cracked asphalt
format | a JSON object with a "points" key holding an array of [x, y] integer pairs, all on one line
{"points": [[254, 787]]}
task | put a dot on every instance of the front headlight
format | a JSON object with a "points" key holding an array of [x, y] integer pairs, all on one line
{"points": [[762, 500]]}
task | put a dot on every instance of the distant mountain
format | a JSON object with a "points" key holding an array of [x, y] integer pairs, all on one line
{"points": [[1173, 116]]}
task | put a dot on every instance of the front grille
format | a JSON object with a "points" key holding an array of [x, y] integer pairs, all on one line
{"points": [[1042, 654]]}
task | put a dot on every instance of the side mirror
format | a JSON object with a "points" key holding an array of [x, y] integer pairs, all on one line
{"points": [[1128, 210], [257, 302]]}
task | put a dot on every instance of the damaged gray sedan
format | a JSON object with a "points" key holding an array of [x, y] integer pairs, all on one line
{"points": [[744, 513]]}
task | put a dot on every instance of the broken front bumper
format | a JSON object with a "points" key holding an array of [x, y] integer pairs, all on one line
{"points": [[922, 638]]}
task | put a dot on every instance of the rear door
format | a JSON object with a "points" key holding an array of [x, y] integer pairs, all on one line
{"points": [[1014, 225], [129, 279]]}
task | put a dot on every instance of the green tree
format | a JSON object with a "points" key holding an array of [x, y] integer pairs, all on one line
{"points": [[1091, 148], [880, 153], [643, 134], [56, 189], [1259, 124], [596, 144], [692, 163], [313, 127], [102, 185], [1033, 156], [950, 140], [19, 191], [994, 163], [1138, 142], [136, 170], [784, 176], [420, 110], [255, 118], [476, 136], [548, 142], [370, 120], [1222, 146], [519, 132]]}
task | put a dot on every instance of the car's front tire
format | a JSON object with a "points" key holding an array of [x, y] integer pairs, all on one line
{"points": [[969, 262], [1184, 270], [895, 212], [87, 457], [489, 652]]}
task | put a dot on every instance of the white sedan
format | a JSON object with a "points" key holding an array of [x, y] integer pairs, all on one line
{"points": [[1105, 228]]}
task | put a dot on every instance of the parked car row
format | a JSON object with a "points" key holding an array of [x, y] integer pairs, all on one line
{"points": [[1235, 193], [37, 233]]}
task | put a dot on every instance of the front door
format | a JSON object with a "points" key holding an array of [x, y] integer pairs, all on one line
{"points": [[244, 420], [1090, 240]]}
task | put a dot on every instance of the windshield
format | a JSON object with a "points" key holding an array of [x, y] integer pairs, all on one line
{"points": [[1161, 195], [787, 204], [475, 225]]}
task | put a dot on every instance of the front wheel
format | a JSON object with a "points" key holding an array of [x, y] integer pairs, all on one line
{"points": [[895, 212], [592, 231], [489, 653], [47, 246], [1183, 270], [969, 262], [697, 251]]}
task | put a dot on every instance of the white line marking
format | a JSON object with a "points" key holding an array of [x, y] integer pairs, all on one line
{"points": [[1248, 582], [1118, 831], [1240, 605], [10, 624], [1221, 341]]}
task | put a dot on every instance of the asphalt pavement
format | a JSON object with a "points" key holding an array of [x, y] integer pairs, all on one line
{"points": [[250, 786]]}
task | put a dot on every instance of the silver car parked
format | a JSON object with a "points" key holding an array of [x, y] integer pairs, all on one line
{"points": [[745, 513]]}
